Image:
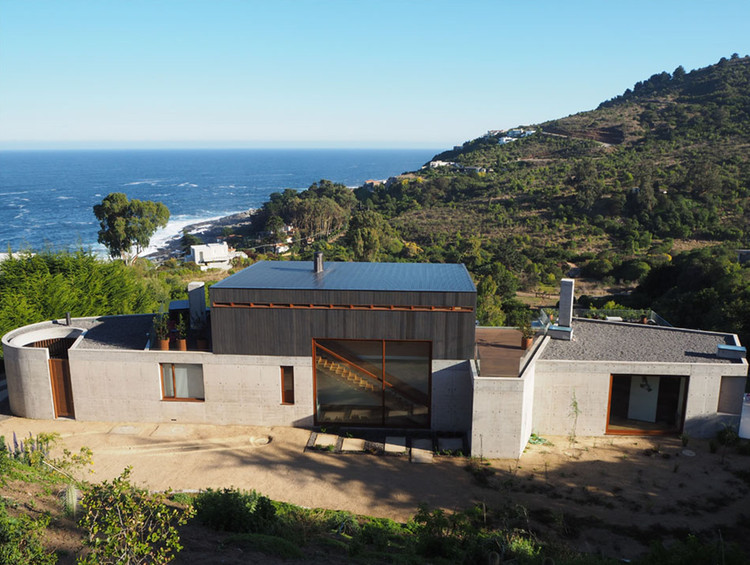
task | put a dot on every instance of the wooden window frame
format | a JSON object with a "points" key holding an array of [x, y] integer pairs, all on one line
{"points": [[285, 400], [164, 396]]}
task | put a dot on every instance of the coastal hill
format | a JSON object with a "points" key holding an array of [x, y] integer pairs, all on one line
{"points": [[612, 194]]}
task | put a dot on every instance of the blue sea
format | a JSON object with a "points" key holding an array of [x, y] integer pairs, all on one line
{"points": [[47, 197]]}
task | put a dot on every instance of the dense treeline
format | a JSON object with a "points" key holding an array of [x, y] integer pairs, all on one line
{"points": [[47, 285]]}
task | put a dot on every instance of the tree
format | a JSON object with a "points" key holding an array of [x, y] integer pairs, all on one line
{"points": [[128, 223]]}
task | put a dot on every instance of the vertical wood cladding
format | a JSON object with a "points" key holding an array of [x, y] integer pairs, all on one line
{"points": [[290, 331]]}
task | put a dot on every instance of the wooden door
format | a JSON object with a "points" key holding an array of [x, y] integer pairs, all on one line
{"points": [[62, 395]]}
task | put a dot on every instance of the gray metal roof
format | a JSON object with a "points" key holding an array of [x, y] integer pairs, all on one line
{"points": [[596, 340], [299, 275]]}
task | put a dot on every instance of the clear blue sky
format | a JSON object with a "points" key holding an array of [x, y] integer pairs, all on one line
{"points": [[376, 73]]}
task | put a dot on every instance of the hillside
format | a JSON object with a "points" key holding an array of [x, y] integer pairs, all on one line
{"points": [[613, 193]]}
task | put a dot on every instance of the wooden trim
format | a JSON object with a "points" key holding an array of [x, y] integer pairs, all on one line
{"points": [[181, 399], [315, 384], [609, 404], [379, 307], [284, 400]]}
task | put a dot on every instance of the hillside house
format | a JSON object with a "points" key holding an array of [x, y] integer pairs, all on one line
{"points": [[386, 345], [212, 256]]}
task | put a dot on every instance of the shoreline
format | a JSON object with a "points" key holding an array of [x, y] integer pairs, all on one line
{"points": [[209, 230]]}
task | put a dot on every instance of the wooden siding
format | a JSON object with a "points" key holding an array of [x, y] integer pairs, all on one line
{"points": [[467, 299], [290, 331]]}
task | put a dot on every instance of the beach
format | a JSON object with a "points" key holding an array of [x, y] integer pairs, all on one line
{"points": [[208, 230]]}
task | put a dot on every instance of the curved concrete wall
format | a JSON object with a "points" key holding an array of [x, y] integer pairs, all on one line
{"points": [[27, 368]]}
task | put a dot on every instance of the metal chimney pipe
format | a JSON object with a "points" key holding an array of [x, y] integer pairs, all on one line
{"points": [[318, 262]]}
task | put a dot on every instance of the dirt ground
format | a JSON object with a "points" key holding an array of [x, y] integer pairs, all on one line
{"points": [[611, 495]]}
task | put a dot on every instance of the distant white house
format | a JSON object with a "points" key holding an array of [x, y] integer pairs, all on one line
{"points": [[213, 255], [438, 164]]}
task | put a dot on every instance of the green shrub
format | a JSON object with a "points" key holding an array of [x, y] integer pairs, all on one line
{"points": [[693, 550], [127, 524], [21, 540], [270, 545], [727, 435], [380, 532], [233, 510], [343, 523]]}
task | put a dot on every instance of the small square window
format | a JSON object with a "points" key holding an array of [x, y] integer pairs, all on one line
{"points": [[181, 381], [287, 385]]}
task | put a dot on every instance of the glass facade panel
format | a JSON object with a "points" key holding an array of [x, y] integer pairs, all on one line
{"points": [[407, 375], [373, 382]]}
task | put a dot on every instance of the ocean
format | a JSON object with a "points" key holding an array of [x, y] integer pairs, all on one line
{"points": [[47, 197]]}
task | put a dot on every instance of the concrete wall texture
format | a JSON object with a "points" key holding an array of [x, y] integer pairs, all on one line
{"points": [[451, 395], [239, 389], [559, 382], [499, 413]]}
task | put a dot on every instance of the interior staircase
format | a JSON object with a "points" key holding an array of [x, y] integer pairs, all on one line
{"points": [[368, 384]]}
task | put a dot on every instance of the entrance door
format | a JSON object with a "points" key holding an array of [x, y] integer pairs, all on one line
{"points": [[62, 394]]}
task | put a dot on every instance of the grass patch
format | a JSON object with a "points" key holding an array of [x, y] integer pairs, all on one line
{"points": [[268, 544]]}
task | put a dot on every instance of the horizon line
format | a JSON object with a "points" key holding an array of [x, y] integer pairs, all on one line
{"points": [[114, 146]]}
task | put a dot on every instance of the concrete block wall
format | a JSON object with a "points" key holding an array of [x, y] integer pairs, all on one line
{"points": [[451, 395], [557, 381], [29, 384], [126, 386], [27, 368], [501, 415]]}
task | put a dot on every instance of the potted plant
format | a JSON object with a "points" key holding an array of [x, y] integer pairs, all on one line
{"points": [[161, 331], [182, 334], [527, 334]]}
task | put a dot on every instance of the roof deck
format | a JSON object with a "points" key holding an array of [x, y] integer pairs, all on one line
{"points": [[499, 352]]}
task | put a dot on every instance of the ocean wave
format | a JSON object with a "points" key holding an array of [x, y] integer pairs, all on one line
{"points": [[64, 198], [190, 184], [152, 182], [174, 229], [14, 193]]}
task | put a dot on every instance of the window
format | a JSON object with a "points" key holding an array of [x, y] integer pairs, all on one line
{"points": [[181, 381], [287, 385], [372, 382], [730, 394]]}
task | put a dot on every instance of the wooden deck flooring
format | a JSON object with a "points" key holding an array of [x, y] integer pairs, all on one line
{"points": [[499, 351]]}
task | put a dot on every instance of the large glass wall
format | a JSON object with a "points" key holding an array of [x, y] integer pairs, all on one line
{"points": [[373, 382]]}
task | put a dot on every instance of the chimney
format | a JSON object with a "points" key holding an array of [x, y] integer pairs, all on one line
{"points": [[318, 262], [565, 316], [197, 301]]}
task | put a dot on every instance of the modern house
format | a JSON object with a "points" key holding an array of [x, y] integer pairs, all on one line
{"points": [[386, 345]]}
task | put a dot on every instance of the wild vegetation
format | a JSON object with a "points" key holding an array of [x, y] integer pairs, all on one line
{"points": [[48, 516], [617, 192]]}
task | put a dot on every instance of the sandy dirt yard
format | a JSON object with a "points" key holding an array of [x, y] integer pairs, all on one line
{"points": [[611, 495]]}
